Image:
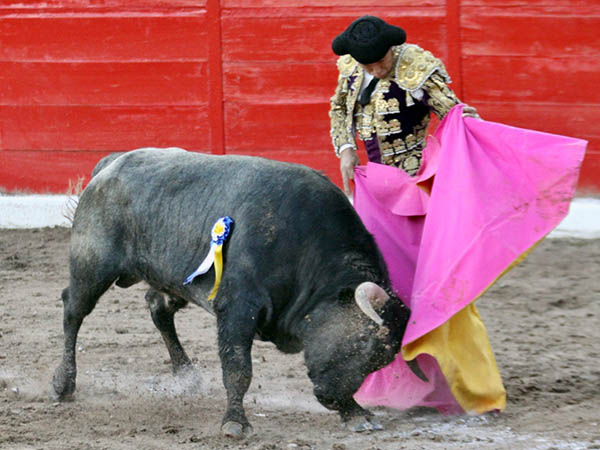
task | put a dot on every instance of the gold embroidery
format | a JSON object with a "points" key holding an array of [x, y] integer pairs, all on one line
{"points": [[441, 98], [364, 121], [415, 66], [393, 151], [390, 106], [383, 86], [421, 129], [385, 127], [411, 163], [411, 140], [346, 64], [341, 103], [394, 126], [399, 146], [386, 148]]}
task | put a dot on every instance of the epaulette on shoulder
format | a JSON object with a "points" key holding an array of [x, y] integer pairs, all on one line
{"points": [[415, 66], [346, 65]]}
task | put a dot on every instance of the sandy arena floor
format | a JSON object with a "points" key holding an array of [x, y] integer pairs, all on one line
{"points": [[543, 319]]}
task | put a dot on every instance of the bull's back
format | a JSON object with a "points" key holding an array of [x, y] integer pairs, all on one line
{"points": [[159, 206], [180, 184], [156, 176]]}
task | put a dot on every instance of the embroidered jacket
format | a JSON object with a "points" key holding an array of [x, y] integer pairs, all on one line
{"points": [[394, 124]]}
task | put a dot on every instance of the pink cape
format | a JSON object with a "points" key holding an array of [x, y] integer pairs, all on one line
{"points": [[496, 191]]}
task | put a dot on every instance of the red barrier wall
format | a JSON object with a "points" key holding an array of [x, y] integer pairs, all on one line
{"points": [[79, 79]]}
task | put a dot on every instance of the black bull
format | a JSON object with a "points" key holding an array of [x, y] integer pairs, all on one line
{"points": [[300, 269]]}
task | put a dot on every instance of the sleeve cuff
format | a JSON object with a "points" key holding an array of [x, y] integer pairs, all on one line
{"points": [[345, 147]]}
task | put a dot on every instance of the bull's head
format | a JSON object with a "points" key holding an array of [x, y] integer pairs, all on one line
{"points": [[345, 343]]}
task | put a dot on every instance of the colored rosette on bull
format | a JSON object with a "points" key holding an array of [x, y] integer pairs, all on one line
{"points": [[219, 234], [221, 229]]}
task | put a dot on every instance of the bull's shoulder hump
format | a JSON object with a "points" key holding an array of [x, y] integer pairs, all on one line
{"points": [[153, 154], [147, 156]]}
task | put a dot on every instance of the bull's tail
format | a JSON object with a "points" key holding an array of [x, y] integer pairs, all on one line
{"points": [[73, 193], [75, 189]]}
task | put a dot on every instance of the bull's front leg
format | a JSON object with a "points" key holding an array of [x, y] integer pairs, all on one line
{"points": [[236, 330]]}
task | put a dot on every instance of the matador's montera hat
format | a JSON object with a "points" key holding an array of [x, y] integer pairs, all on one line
{"points": [[368, 39]]}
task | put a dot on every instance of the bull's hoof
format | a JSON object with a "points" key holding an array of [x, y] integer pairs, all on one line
{"points": [[236, 430], [183, 368], [63, 385], [360, 424]]}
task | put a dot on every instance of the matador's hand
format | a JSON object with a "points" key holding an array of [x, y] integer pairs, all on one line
{"points": [[348, 161], [469, 111]]}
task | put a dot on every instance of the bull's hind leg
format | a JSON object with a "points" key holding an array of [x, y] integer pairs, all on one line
{"points": [[79, 299], [163, 312]]}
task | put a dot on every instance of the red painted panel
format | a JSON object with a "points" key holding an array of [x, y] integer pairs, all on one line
{"points": [[306, 39], [535, 35], [102, 128], [104, 5], [20, 170], [588, 177], [532, 7], [217, 114], [45, 171], [294, 82], [120, 74], [139, 83], [338, 6], [538, 79], [565, 119], [293, 128], [268, 82], [103, 38], [454, 44]]}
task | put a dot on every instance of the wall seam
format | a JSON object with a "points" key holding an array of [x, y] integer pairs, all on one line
{"points": [[216, 113], [454, 45]]}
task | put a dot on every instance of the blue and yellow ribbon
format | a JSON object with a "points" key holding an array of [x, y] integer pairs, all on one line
{"points": [[220, 233]]}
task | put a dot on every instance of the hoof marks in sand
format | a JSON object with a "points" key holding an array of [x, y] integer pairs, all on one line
{"points": [[363, 424]]}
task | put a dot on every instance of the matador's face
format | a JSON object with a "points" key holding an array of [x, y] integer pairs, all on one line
{"points": [[381, 68]]}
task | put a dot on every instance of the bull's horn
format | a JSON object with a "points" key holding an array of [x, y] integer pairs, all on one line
{"points": [[413, 365], [367, 293]]}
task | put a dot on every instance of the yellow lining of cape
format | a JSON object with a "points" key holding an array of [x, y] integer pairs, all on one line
{"points": [[462, 349]]}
